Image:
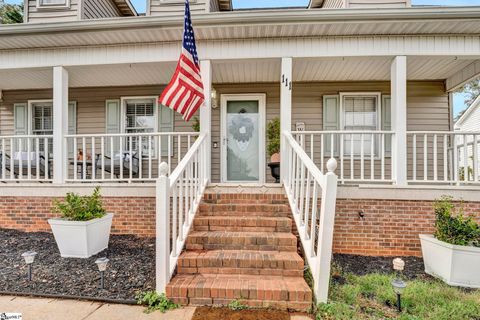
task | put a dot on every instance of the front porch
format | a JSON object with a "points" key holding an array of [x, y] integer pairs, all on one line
{"points": [[386, 120]]}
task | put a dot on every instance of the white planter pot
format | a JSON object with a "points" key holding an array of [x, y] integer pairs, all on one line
{"points": [[456, 265], [81, 239]]}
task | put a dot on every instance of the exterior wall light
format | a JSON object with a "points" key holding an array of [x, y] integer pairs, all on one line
{"points": [[102, 266], [398, 284], [214, 99], [29, 257]]}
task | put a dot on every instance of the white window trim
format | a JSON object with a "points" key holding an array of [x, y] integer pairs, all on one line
{"points": [[53, 6], [30, 112], [378, 96]]}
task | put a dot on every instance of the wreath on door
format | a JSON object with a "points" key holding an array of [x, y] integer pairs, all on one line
{"points": [[242, 128]]}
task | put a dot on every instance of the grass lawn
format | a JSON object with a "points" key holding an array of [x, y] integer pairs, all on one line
{"points": [[371, 297]]}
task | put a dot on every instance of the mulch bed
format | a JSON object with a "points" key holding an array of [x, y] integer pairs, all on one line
{"points": [[361, 265], [131, 267]]}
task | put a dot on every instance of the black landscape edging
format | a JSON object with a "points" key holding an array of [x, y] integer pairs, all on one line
{"points": [[59, 296]]}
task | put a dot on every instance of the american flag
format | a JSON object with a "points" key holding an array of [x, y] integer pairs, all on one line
{"points": [[184, 93]]}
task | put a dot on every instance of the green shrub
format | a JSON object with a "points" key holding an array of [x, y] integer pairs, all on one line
{"points": [[453, 226], [236, 305], [154, 301], [273, 135], [80, 208]]}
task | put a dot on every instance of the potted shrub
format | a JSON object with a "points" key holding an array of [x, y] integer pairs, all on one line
{"points": [[453, 252], [83, 229], [273, 147]]}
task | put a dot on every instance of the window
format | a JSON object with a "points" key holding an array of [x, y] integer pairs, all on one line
{"points": [[360, 113], [42, 118], [53, 3], [140, 117]]}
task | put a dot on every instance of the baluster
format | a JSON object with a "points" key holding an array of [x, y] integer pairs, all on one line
{"points": [[29, 159], [112, 159], [307, 205], [382, 146], [47, 156], [150, 157], [174, 220], [130, 157], [20, 159], [102, 155], [475, 157], [425, 157], [342, 138], [362, 156], [332, 150], [169, 154], [435, 156], [3, 159], [75, 158], [466, 176], [179, 145], [180, 206], [38, 153], [302, 192], [297, 181], [12, 164], [352, 159], [121, 156], [372, 157], [140, 156], [322, 147], [445, 157], [311, 148], [414, 157], [92, 157], [84, 159], [313, 220], [455, 159]]}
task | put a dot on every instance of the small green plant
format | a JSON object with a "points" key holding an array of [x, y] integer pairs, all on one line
{"points": [[236, 305], [273, 135], [453, 227], [154, 301], [196, 124], [80, 208]]}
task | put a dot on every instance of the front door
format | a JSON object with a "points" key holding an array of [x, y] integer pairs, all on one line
{"points": [[243, 138]]}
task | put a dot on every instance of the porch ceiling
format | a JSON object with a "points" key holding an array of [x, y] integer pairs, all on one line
{"points": [[238, 71]]}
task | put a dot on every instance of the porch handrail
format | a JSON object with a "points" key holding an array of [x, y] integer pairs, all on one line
{"points": [[304, 183], [177, 199]]}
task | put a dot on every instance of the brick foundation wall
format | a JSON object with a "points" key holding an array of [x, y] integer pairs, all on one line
{"points": [[389, 227]]}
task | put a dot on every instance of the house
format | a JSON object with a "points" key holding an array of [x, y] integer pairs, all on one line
{"points": [[363, 90], [468, 157]]}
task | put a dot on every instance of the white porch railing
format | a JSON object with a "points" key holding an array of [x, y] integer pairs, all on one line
{"points": [[124, 157], [312, 196], [178, 197], [362, 156], [26, 158], [443, 157]]}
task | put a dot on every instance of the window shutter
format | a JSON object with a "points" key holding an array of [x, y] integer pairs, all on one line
{"points": [[331, 121], [113, 125], [72, 125], [387, 122], [20, 115], [166, 118]]}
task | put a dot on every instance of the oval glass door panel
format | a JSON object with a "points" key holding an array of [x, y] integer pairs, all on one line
{"points": [[243, 141]]}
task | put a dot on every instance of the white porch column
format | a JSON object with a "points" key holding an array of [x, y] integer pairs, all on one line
{"points": [[60, 122], [399, 119], [206, 111], [285, 112]]}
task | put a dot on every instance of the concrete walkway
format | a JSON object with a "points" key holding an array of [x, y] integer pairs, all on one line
{"points": [[55, 309]]}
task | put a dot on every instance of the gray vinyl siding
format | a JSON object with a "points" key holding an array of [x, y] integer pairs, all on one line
{"points": [[427, 109], [175, 8], [52, 15], [95, 9]]}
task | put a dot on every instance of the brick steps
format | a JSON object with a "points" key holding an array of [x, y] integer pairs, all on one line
{"points": [[263, 241], [253, 223], [263, 210], [241, 246], [272, 263], [264, 291]]}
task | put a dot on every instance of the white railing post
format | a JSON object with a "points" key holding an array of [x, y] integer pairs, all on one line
{"points": [[206, 113], [60, 123], [399, 119], [162, 223], [285, 113], [325, 236]]}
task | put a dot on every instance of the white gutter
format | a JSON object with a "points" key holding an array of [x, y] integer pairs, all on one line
{"points": [[254, 17]]}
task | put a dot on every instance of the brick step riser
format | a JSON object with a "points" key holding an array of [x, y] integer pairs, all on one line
{"points": [[246, 224], [250, 197], [244, 201], [204, 207], [268, 214], [245, 271], [278, 305], [241, 228], [220, 246]]}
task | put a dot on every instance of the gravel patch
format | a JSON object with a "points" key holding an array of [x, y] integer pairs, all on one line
{"points": [[361, 265], [131, 267]]}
